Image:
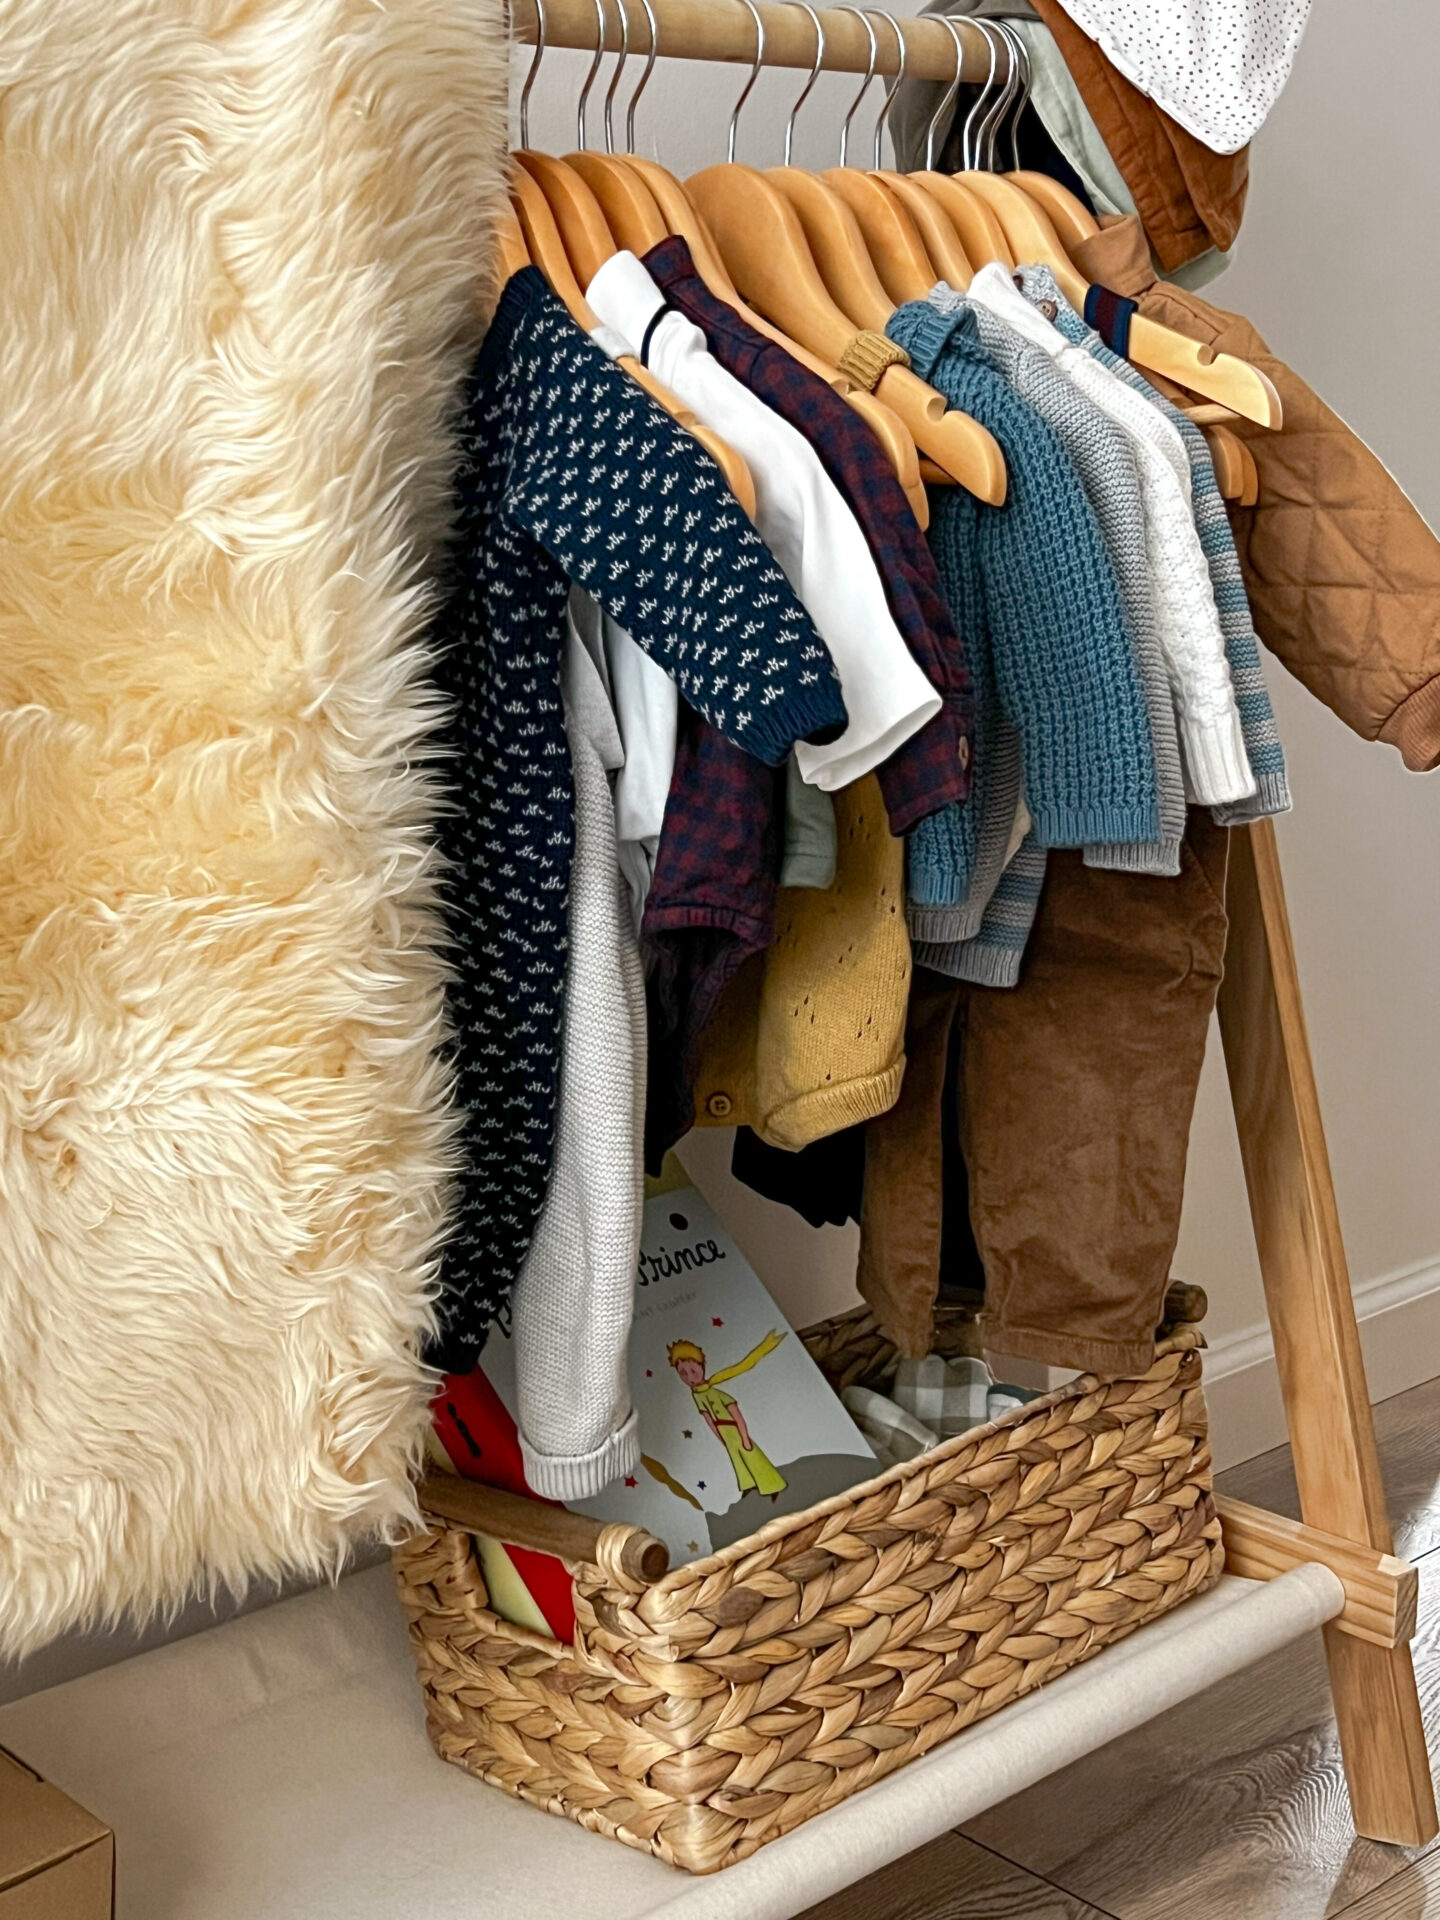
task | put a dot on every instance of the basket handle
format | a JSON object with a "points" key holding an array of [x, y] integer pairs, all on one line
{"points": [[629, 1556]]}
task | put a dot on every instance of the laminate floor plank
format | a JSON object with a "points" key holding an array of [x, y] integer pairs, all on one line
{"points": [[953, 1879], [1233, 1803], [1408, 1429], [1413, 1894]]}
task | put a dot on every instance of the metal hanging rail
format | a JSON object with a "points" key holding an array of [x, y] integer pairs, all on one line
{"points": [[700, 30]]}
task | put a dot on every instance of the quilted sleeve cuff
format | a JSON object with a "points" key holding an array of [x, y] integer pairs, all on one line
{"points": [[1414, 728]]}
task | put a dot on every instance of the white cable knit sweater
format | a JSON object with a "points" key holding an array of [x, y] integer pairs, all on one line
{"points": [[1216, 763], [573, 1302]]}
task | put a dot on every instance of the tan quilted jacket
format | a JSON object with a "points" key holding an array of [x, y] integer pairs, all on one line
{"points": [[1342, 572]]}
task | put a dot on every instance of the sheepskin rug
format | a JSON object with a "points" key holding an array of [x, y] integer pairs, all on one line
{"points": [[243, 247]]}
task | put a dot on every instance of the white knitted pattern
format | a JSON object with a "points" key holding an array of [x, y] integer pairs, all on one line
{"points": [[1186, 618], [573, 1302]]}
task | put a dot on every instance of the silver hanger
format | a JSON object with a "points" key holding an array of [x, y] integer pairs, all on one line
{"points": [[624, 55], [950, 92], [864, 20], [901, 58], [584, 100], [536, 58], [1020, 54], [969, 151], [751, 9], [805, 7], [995, 119], [644, 78]]}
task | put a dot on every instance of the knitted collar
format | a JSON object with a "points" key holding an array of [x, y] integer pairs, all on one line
{"points": [[926, 332]]}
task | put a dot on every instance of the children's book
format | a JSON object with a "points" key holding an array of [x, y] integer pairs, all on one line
{"points": [[737, 1423]]}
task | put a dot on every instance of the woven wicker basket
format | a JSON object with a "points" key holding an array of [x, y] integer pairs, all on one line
{"points": [[701, 1715]]}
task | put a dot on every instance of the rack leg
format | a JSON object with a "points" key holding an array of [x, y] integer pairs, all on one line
{"points": [[1312, 1315]]}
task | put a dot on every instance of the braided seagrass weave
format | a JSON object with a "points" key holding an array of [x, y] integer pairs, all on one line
{"points": [[699, 1717]]}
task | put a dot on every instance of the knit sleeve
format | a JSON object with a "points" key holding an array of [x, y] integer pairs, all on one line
{"points": [[639, 515]]}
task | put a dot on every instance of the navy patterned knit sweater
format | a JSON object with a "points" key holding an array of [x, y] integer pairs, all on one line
{"points": [[569, 472]]}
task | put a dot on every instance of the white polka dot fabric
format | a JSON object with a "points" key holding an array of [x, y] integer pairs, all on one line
{"points": [[1216, 66]]}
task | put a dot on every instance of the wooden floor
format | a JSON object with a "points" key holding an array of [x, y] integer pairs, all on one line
{"points": [[1233, 1806]]}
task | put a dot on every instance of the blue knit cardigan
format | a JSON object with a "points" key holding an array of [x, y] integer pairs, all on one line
{"points": [[1032, 581]]}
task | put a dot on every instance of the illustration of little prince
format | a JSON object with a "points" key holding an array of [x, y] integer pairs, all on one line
{"points": [[753, 1471]]}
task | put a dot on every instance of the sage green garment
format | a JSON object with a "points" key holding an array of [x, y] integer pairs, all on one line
{"points": [[808, 859]]}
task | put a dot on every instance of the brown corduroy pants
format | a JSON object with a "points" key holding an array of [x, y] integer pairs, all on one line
{"points": [[1076, 1093]]}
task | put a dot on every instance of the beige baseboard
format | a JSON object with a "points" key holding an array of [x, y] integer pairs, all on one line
{"points": [[1399, 1316]]}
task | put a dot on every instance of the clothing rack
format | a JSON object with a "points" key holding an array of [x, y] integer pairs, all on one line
{"points": [[1272, 1082], [713, 30]]}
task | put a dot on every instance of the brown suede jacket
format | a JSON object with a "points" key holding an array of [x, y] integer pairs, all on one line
{"points": [[1342, 572]]}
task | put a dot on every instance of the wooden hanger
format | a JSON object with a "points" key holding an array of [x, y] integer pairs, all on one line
{"points": [[627, 203], [891, 236], [763, 244], [630, 208], [680, 216], [583, 229], [836, 244], [1070, 217], [981, 234], [510, 249], [1223, 377], [938, 233], [937, 230], [547, 251]]}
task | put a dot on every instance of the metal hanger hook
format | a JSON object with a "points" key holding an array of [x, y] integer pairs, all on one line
{"points": [[987, 138], [624, 55], [1019, 51], [864, 20], [538, 56], [967, 152], [948, 97], [645, 76], [754, 13], [805, 7], [584, 100], [902, 58]]}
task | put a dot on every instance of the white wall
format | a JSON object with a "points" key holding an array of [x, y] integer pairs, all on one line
{"points": [[1339, 267]]}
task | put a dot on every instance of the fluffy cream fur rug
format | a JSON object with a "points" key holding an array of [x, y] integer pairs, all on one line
{"points": [[240, 244]]}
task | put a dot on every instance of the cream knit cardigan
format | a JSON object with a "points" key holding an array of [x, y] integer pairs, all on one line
{"points": [[242, 245]]}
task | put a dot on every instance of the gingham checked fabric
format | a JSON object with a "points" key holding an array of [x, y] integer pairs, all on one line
{"points": [[930, 1400]]}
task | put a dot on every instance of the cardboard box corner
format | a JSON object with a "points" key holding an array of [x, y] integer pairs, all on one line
{"points": [[57, 1862]]}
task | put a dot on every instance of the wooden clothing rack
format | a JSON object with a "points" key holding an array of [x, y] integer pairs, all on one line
{"points": [[1272, 1083]]}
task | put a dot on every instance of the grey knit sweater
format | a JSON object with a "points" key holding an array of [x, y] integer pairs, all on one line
{"points": [[573, 1301]]}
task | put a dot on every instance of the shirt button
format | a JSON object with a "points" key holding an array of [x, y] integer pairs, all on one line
{"points": [[1049, 309], [719, 1106], [964, 751]]}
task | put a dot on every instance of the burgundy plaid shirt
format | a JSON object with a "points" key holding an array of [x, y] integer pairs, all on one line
{"points": [[932, 769], [710, 906]]}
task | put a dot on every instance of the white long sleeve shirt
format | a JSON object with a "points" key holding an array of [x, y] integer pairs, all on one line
{"points": [[801, 517]]}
